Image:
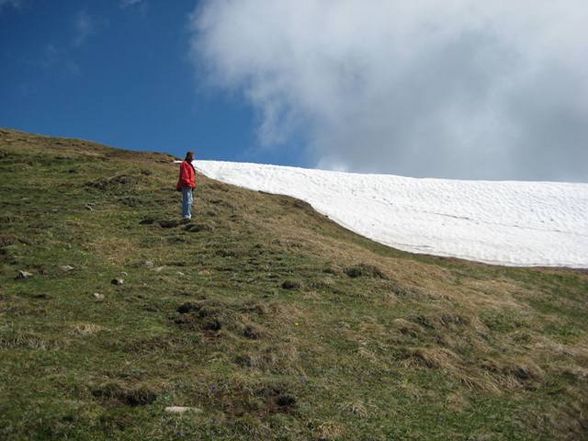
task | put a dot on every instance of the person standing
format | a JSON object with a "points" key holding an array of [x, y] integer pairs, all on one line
{"points": [[186, 184]]}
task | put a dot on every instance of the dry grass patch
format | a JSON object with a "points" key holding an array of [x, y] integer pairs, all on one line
{"points": [[407, 327], [355, 408], [85, 329], [329, 430], [26, 340], [277, 358], [514, 373], [434, 358], [114, 250]]}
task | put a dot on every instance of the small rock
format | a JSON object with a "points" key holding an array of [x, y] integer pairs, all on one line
{"points": [[180, 273], [22, 275], [117, 281], [148, 263], [99, 297], [66, 268], [182, 409]]}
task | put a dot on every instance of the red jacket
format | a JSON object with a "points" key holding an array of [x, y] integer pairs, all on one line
{"points": [[187, 176]]}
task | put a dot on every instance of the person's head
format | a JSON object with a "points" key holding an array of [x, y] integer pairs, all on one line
{"points": [[189, 156]]}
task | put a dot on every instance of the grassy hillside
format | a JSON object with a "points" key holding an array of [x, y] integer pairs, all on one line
{"points": [[262, 316]]}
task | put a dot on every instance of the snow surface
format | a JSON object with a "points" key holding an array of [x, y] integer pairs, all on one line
{"points": [[508, 222]]}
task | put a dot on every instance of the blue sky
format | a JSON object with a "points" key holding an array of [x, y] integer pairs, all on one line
{"points": [[120, 74], [462, 89]]}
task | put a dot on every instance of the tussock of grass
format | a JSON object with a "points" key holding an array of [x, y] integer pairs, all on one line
{"points": [[275, 322], [118, 393], [364, 270]]}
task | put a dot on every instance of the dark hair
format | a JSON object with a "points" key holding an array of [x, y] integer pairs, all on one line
{"points": [[189, 155]]}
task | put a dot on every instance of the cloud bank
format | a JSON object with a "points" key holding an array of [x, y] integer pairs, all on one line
{"points": [[459, 88]]}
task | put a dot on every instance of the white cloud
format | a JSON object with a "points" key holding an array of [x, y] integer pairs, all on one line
{"points": [[85, 25], [459, 88], [127, 3], [17, 4]]}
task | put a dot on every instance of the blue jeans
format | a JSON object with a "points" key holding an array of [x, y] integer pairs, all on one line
{"points": [[187, 202]]}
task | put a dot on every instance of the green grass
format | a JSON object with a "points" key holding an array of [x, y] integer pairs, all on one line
{"points": [[271, 320]]}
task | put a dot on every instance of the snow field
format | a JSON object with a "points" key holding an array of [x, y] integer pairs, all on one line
{"points": [[508, 222]]}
